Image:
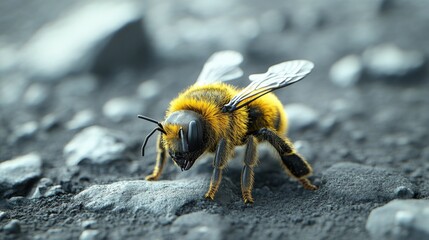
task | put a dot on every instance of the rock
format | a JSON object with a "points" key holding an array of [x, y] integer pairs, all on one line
{"points": [[403, 192], [81, 119], [347, 71], [18, 173], [35, 95], [119, 109], [14, 226], [95, 145], [24, 131], [149, 89], [388, 60], [12, 88], [54, 191], [400, 219], [41, 187], [300, 116], [359, 183], [90, 235], [3, 215], [86, 38], [49, 121], [158, 197], [199, 225], [194, 29], [89, 224]]}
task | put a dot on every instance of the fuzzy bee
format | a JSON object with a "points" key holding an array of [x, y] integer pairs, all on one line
{"points": [[212, 116]]}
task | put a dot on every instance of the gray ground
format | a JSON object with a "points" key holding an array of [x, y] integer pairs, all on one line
{"points": [[70, 142]]}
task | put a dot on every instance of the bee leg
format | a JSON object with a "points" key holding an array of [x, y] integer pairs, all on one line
{"points": [[294, 164], [250, 161], [160, 162], [223, 152]]}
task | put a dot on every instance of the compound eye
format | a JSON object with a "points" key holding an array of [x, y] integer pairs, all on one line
{"points": [[195, 135]]}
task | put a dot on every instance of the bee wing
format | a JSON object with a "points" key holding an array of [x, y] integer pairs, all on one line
{"points": [[277, 76], [221, 66]]}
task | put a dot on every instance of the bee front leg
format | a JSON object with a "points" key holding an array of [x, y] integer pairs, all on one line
{"points": [[223, 152], [160, 161], [294, 164], [250, 160]]}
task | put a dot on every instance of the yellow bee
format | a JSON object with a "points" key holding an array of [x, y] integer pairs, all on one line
{"points": [[212, 116]]}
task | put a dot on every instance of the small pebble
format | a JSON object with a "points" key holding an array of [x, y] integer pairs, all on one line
{"points": [[81, 119], [89, 235], [14, 226], [403, 192], [300, 116], [347, 71], [149, 89], [3, 215], [49, 121], [89, 224], [36, 95], [119, 109], [389, 60]]}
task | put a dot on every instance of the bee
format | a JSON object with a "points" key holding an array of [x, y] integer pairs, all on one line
{"points": [[212, 116]]}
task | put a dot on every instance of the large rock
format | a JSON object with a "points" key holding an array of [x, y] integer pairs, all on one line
{"points": [[157, 197], [95, 145], [400, 219], [96, 36], [358, 183], [17, 173]]}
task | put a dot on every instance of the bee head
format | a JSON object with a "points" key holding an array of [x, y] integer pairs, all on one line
{"points": [[185, 137]]}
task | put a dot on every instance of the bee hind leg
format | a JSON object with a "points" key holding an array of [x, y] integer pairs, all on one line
{"points": [[160, 162], [250, 160], [223, 152], [294, 164]]}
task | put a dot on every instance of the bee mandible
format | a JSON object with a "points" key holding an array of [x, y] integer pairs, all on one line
{"points": [[212, 116]]}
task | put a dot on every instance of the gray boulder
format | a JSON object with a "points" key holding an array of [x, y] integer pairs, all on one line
{"points": [[400, 220]]}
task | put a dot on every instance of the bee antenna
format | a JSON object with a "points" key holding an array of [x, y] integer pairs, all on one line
{"points": [[147, 138], [161, 128]]}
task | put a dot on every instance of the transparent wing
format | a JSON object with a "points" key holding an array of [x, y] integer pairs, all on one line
{"points": [[221, 66], [277, 76]]}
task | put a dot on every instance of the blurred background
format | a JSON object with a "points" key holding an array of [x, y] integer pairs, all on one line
{"points": [[66, 65]]}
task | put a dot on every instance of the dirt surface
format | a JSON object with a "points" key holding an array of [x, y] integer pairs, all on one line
{"points": [[365, 132]]}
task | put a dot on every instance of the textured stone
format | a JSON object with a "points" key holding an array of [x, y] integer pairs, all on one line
{"points": [[400, 220], [90, 235], [17, 173], [95, 145], [158, 197], [359, 183]]}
